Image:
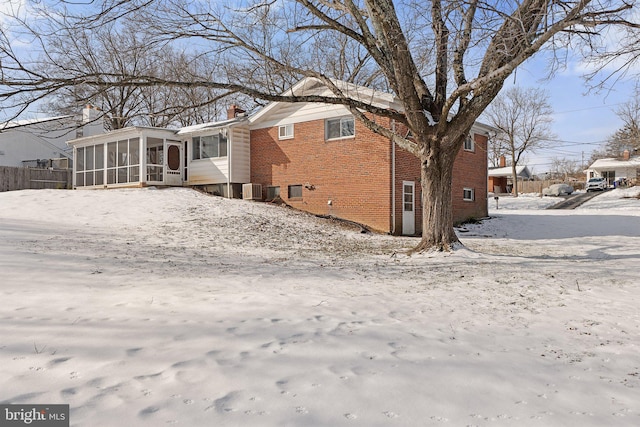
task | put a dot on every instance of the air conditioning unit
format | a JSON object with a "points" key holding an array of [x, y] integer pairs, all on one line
{"points": [[252, 191]]}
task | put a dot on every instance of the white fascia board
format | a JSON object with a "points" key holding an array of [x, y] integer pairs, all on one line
{"points": [[211, 125], [127, 132], [293, 90], [312, 86], [479, 127], [28, 122], [326, 111]]}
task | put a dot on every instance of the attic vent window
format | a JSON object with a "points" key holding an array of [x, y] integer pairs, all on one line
{"points": [[285, 131]]}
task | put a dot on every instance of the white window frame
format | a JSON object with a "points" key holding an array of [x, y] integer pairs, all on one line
{"points": [[468, 194], [285, 131], [340, 120], [221, 139], [469, 143]]}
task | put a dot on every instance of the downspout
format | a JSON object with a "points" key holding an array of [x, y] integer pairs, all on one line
{"points": [[73, 167], [393, 181], [229, 151], [142, 152]]}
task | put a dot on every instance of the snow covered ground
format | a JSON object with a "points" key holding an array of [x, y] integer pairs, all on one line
{"points": [[154, 307]]}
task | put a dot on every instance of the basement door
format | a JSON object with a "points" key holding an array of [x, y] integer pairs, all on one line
{"points": [[408, 208], [173, 163]]}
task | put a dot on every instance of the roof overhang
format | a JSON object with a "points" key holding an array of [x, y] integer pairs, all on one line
{"points": [[521, 171], [612, 163], [128, 132], [212, 125]]}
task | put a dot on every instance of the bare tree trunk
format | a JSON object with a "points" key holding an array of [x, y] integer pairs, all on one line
{"points": [[514, 177], [437, 208]]}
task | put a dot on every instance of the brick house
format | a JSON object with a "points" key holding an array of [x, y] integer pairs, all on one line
{"points": [[317, 158]]}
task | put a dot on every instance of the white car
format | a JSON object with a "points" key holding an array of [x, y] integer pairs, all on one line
{"points": [[557, 190], [599, 184]]}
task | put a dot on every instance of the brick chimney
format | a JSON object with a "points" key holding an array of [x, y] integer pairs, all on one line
{"points": [[503, 162], [626, 155], [234, 111]]}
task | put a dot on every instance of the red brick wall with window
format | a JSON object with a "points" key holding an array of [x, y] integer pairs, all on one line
{"points": [[470, 171], [356, 175], [353, 172]]}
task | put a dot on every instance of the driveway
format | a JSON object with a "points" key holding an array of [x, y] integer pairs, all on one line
{"points": [[575, 200]]}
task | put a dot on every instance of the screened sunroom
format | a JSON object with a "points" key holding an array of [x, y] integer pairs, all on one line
{"points": [[213, 156], [129, 157]]}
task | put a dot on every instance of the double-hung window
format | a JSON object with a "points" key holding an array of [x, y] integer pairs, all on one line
{"points": [[468, 143], [285, 131], [342, 127]]}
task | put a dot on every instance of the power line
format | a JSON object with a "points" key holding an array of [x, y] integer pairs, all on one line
{"points": [[588, 108], [573, 143]]}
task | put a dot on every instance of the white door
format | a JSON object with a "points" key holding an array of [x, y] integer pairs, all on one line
{"points": [[408, 208], [173, 163]]}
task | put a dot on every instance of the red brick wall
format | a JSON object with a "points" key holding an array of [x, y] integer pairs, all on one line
{"points": [[407, 169], [354, 173], [470, 171]]}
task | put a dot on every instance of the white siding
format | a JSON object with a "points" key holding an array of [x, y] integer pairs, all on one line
{"points": [[208, 171], [301, 112], [240, 155], [38, 141], [279, 113], [216, 170]]}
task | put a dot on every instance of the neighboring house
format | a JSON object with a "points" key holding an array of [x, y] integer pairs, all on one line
{"points": [[43, 142], [614, 169], [315, 157], [501, 178]]}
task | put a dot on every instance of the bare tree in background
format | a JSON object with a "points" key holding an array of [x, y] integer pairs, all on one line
{"points": [[524, 118], [116, 51], [495, 150], [445, 61], [565, 168], [627, 137]]}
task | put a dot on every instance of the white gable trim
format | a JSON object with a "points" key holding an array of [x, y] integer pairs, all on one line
{"points": [[313, 86]]}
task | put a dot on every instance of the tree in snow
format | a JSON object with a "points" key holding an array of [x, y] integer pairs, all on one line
{"points": [[445, 60]]}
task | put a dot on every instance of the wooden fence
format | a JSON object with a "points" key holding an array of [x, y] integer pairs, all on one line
{"points": [[14, 178], [525, 187]]}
